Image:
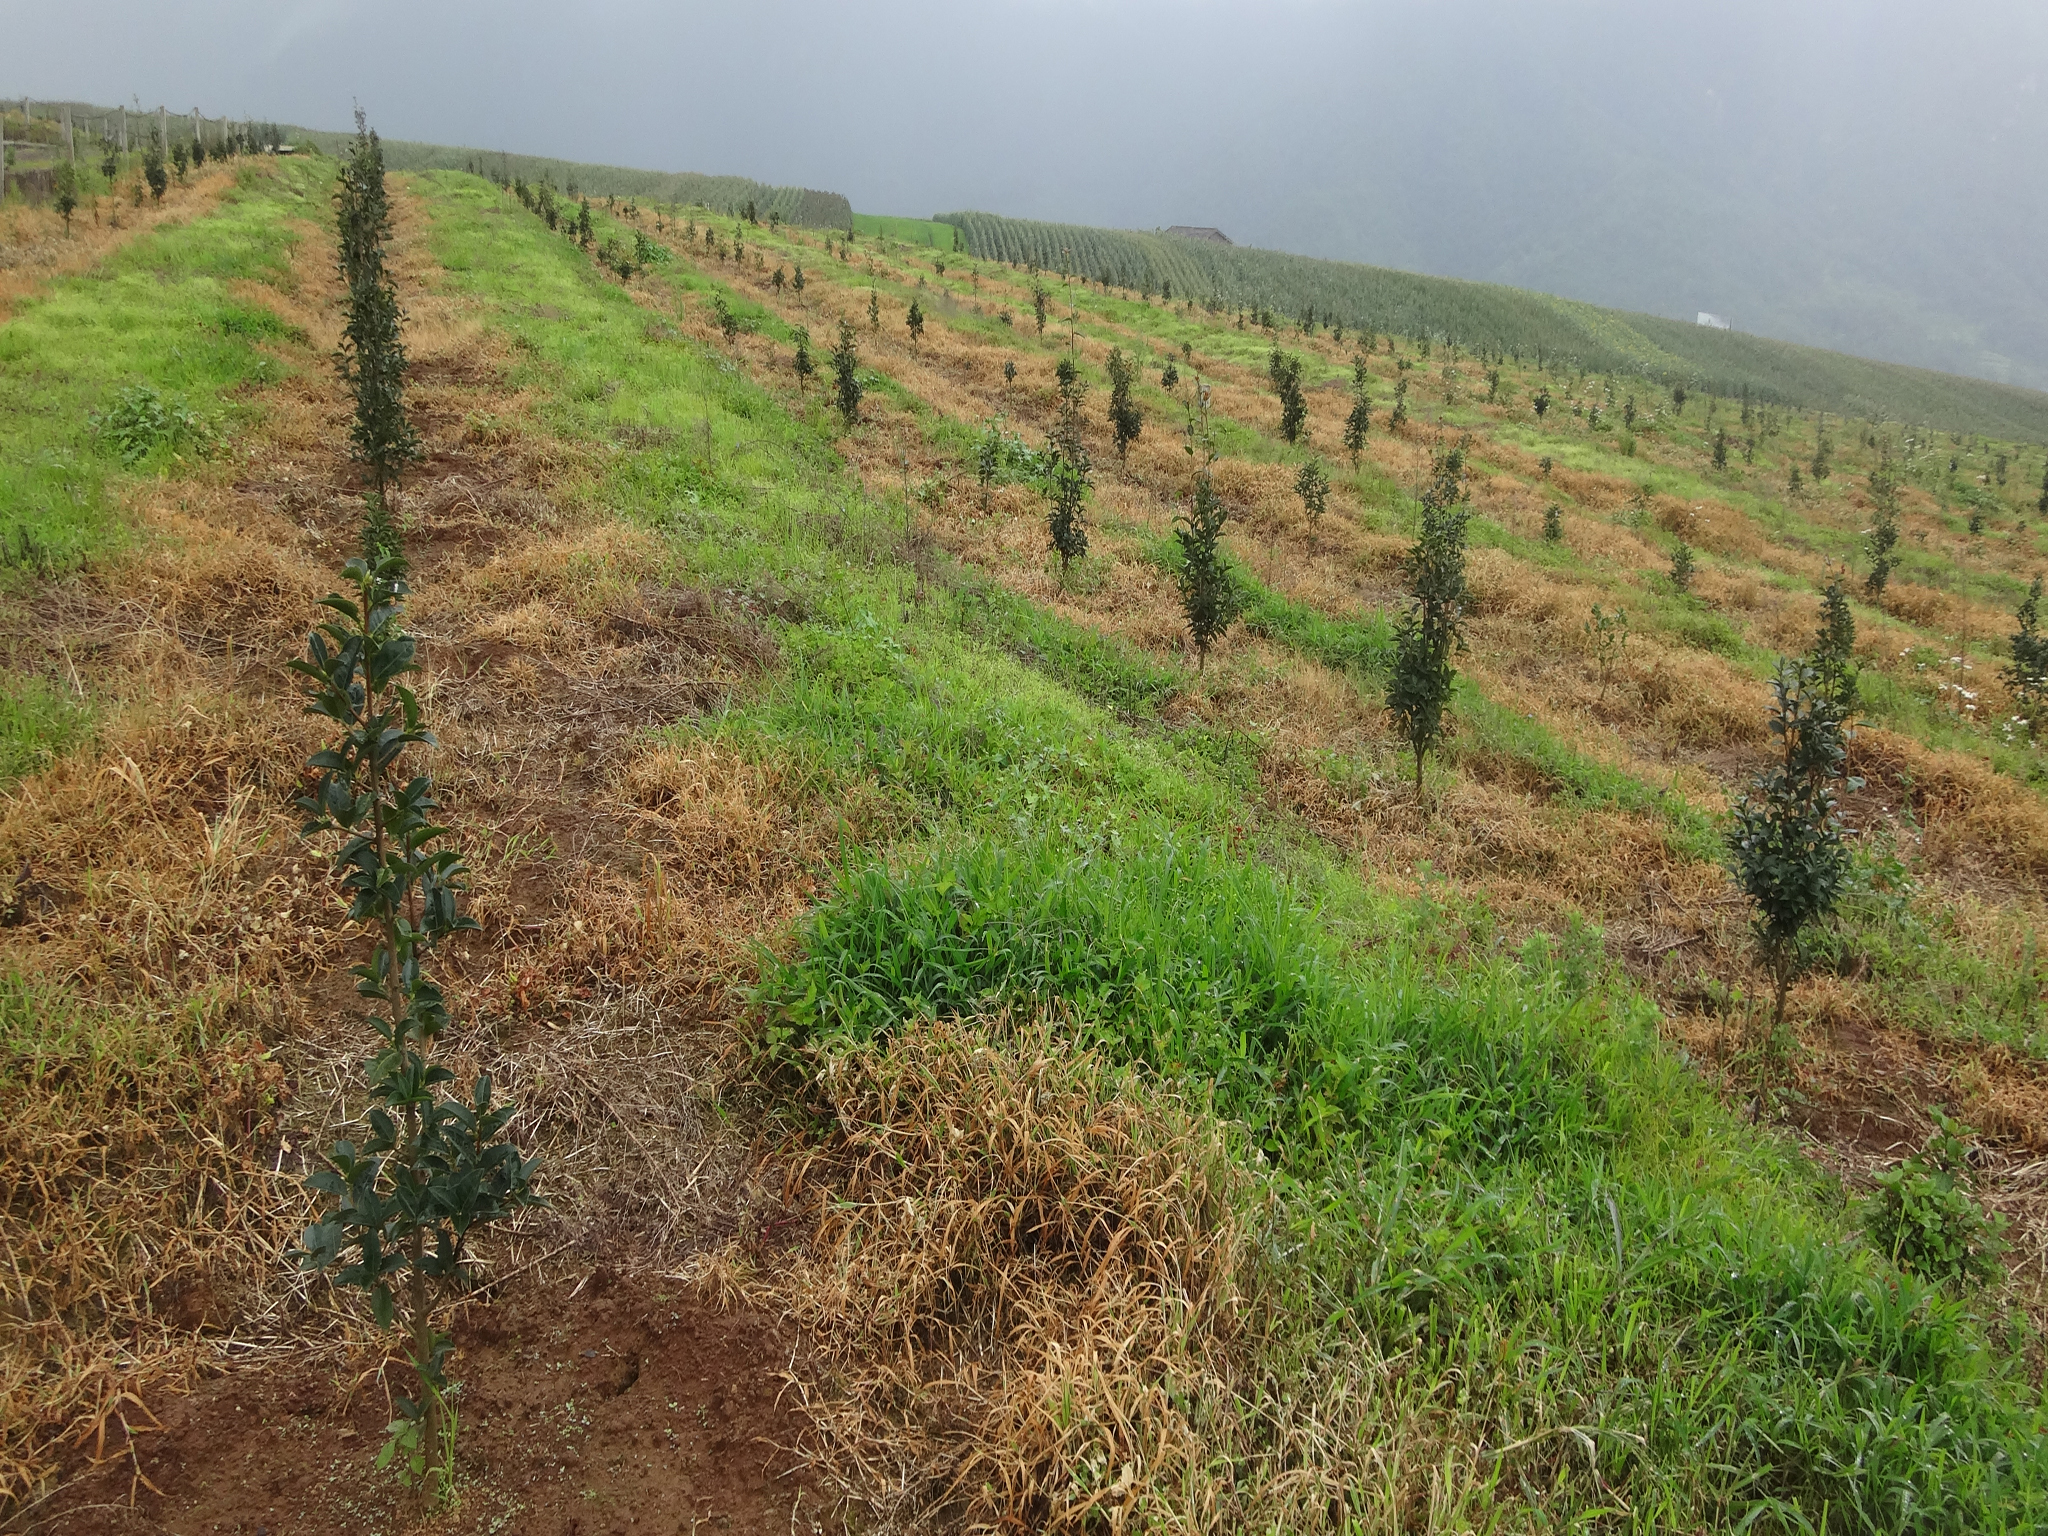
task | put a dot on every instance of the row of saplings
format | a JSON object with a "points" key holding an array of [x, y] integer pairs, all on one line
{"points": [[1787, 847], [433, 1166], [158, 163]]}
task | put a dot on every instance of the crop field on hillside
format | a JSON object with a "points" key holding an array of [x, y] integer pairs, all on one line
{"points": [[1534, 327], [991, 1062]]}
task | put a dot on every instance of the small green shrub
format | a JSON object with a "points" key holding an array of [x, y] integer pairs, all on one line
{"points": [[140, 421], [1682, 567], [2026, 674], [1923, 1216], [1787, 847], [1432, 631], [846, 387], [1882, 541]]}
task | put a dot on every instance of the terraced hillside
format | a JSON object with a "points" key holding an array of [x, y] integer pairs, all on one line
{"points": [[1032, 1079]]}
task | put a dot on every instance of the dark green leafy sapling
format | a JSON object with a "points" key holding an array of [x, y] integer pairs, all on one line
{"points": [[1924, 1217], [1359, 422], [1285, 370], [1881, 543], [66, 192], [1429, 634], [1038, 302], [1066, 503], [1787, 848], [153, 170], [1720, 448], [1540, 402], [1399, 415], [1682, 567], [846, 375], [1834, 652], [110, 163], [1125, 419], [915, 320], [1312, 485], [584, 232], [728, 318], [1068, 472], [1209, 598], [1169, 377], [2026, 674], [802, 362], [431, 1169], [181, 160], [371, 358], [1553, 524]]}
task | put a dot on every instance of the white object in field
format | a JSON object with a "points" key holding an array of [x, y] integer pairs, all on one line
{"points": [[1713, 321]]}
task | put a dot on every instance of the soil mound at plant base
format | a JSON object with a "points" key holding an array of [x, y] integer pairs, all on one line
{"points": [[631, 1406]]}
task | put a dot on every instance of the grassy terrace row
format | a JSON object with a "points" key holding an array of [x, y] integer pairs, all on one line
{"points": [[1476, 1160], [162, 313]]}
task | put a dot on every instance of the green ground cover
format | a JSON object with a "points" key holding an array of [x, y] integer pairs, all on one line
{"points": [[138, 368], [1478, 1156], [924, 233]]}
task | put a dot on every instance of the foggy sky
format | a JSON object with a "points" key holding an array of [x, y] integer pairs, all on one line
{"points": [[1866, 176]]}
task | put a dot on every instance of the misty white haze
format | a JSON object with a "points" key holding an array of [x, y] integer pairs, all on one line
{"points": [[1859, 176]]}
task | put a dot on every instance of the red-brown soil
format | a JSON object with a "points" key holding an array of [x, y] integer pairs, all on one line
{"points": [[630, 1406]]}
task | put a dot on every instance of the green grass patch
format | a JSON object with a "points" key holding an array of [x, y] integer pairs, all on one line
{"points": [[38, 720], [159, 315], [1482, 1168], [925, 233]]}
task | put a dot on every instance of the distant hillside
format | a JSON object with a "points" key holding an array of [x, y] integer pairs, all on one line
{"points": [[1517, 322], [798, 205]]}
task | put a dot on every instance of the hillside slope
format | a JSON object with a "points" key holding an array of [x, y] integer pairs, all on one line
{"points": [[798, 205], [1514, 320], [1149, 1106]]}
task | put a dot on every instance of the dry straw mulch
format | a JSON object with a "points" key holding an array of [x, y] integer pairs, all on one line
{"points": [[1025, 1273]]}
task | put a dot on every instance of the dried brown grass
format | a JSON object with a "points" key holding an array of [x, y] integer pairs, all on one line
{"points": [[1034, 1298], [1026, 1272]]}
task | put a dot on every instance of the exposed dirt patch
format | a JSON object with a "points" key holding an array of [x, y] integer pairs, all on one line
{"points": [[589, 1406]]}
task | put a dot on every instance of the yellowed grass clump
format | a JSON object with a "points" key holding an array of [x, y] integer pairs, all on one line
{"points": [[1026, 1271]]}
